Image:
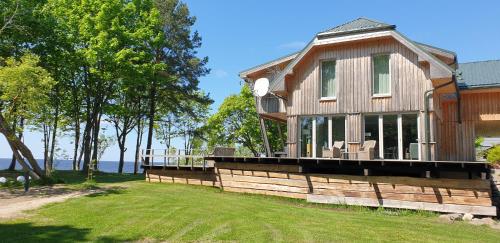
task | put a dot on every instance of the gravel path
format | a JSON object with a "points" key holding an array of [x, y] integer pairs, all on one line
{"points": [[13, 203]]}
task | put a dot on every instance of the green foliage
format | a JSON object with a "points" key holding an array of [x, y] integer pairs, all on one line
{"points": [[237, 122], [478, 141], [24, 86], [493, 155]]}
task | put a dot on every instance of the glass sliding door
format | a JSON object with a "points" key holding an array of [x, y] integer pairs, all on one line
{"points": [[410, 136], [306, 136], [338, 129], [372, 131], [390, 136], [321, 135]]}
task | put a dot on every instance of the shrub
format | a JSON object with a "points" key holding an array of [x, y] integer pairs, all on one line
{"points": [[493, 155]]}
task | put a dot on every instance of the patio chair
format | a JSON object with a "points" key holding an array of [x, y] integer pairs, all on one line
{"points": [[367, 151], [335, 151]]}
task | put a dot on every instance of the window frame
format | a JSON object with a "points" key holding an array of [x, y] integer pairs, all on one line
{"points": [[381, 95], [327, 98]]}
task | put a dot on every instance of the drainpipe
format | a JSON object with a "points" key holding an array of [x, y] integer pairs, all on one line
{"points": [[427, 96]]}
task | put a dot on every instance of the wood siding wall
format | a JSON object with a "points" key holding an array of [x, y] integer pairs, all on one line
{"points": [[456, 141], [409, 81]]}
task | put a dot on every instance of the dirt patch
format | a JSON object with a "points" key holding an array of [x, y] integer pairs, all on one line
{"points": [[14, 202]]}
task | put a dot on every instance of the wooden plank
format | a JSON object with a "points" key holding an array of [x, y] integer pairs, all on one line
{"points": [[267, 187], [397, 188], [425, 182], [184, 181], [462, 200], [259, 167], [445, 208], [263, 174], [265, 192], [265, 180]]}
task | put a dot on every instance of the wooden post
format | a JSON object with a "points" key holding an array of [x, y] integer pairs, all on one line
{"points": [[263, 131], [165, 159], [178, 158]]}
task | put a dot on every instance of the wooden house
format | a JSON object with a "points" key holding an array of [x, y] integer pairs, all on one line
{"points": [[364, 80], [374, 119]]}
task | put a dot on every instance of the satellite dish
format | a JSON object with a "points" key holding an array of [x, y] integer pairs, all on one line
{"points": [[261, 87]]}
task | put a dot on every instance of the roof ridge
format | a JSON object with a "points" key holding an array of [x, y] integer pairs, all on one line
{"points": [[375, 22], [346, 23]]}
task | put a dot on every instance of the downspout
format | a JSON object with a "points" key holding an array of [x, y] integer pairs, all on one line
{"points": [[427, 95]]}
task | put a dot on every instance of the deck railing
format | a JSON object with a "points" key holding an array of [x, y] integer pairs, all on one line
{"points": [[174, 158]]}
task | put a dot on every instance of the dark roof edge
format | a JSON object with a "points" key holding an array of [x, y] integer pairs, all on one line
{"points": [[322, 35], [463, 86], [269, 62], [437, 48], [492, 60]]}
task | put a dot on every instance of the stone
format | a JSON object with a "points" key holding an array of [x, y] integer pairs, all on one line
{"points": [[451, 217], [485, 221], [467, 217]]}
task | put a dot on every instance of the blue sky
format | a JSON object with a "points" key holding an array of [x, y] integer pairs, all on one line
{"points": [[241, 34]]}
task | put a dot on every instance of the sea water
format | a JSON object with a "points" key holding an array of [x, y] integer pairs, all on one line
{"points": [[104, 166]]}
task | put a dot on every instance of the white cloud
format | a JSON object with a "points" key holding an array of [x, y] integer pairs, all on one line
{"points": [[219, 73], [292, 45]]}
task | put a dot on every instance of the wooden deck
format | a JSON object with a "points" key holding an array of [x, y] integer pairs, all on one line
{"points": [[443, 186]]}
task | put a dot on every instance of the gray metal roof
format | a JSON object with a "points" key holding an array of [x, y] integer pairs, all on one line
{"points": [[357, 25], [480, 74]]}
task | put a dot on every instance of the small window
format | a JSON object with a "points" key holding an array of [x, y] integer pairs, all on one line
{"points": [[381, 75], [328, 88]]}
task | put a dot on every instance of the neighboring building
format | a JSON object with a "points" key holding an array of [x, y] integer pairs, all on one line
{"points": [[363, 80]]}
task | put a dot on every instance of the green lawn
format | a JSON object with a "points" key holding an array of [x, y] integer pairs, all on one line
{"points": [[150, 212]]}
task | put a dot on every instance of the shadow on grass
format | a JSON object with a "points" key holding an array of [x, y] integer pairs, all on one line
{"points": [[77, 177], [27, 232], [107, 192]]}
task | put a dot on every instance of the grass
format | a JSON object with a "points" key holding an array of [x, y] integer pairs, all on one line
{"points": [[171, 212]]}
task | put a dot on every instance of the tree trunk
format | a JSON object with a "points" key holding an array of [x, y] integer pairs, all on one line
{"points": [[76, 166], [122, 152], [96, 140], [53, 142], [46, 141], [86, 144], [151, 117], [23, 163], [18, 146], [140, 130], [12, 165]]}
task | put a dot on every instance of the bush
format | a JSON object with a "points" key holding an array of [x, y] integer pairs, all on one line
{"points": [[493, 155]]}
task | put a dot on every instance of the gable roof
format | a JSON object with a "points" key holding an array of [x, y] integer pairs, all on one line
{"points": [[480, 74], [268, 64], [438, 69], [356, 26]]}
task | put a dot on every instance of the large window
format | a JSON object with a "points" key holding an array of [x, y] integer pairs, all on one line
{"points": [[410, 136], [319, 133], [306, 136], [371, 131], [391, 149], [396, 135], [328, 86], [338, 129], [381, 75]]}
